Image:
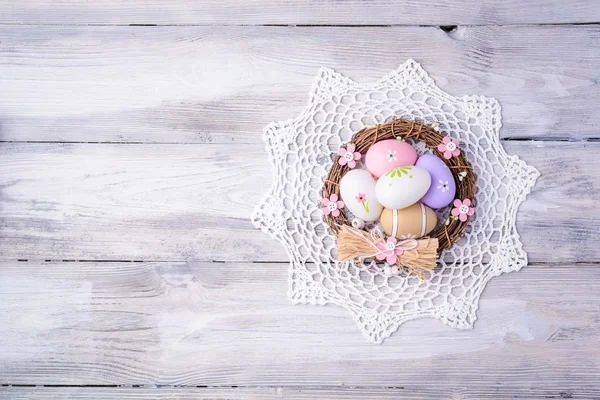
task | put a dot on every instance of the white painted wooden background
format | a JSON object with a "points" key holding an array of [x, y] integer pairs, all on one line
{"points": [[131, 159]]}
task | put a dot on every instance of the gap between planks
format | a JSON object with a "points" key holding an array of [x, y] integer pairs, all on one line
{"points": [[591, 264], [308, 392], [270, 12], [505, 139], [445, 28]]}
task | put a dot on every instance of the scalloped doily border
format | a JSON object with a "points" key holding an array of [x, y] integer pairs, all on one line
{"points": [[302, 290]]}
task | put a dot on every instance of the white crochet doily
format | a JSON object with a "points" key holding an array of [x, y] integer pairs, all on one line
{"points": [[301, 151]]}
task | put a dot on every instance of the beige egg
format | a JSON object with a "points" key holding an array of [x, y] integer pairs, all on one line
{"points": [[413, 221]]}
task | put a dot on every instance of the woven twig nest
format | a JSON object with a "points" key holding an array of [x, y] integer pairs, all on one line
{"points": [[447, 231]]}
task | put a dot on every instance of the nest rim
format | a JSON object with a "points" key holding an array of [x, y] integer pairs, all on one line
{"points": [[447, 234]]}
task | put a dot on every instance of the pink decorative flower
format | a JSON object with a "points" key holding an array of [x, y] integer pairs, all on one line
{"points": [[349, 156], [463, 209], [449, 147], [388, 250], [331, 205], [361, 197]]}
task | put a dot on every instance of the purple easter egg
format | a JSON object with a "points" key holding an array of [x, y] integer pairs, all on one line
{"points": [[386, 155], [443, 188]]}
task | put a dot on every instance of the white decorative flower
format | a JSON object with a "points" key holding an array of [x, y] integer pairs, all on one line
{"points": [[408, 236], [443, 186], [451, 146], [392, 156], [358, 223], [391, 270]]}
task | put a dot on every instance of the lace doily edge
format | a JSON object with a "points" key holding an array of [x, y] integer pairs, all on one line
{"points": [[442, 313], [455, 317], [326, 74]]}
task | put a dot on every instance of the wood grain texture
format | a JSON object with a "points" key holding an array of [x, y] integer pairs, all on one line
{"points": [[286, 393], [224, 84], [193, 202], [187, 105], [252, 12], [215, 324]]}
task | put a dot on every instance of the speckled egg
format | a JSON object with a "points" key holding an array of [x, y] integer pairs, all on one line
{"points": [[388, 154], [443, 188], [357, 188], [402, 186], [411, 222]]}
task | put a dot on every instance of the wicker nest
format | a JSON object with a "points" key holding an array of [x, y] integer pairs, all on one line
{"points": [[447, 234]]}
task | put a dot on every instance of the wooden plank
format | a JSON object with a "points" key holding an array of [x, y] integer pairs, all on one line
{"points": [[193, 202], [252, 12], [224, 84], [284, 393], [214, 324]]}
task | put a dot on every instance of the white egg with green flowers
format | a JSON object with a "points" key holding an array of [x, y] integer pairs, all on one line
{"points": [[402, 186]]}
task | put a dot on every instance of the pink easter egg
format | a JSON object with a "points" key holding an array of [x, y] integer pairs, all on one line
{"points": [[386, 155]]}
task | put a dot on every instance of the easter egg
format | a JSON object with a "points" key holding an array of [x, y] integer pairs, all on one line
{"points": [[410, 222], [443, 187], [386, 155], [402, 186], [357, 188]]}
